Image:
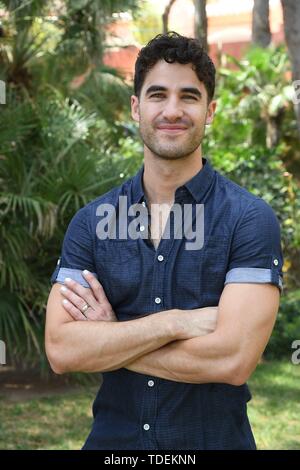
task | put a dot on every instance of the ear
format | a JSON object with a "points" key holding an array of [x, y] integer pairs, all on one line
{"points": [[135, 111], [211, 109]]}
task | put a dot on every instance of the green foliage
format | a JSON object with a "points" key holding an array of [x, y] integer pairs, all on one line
{"points": [[60, 147], [147, 23], [103, 86], [287, 328], [66, 137], [274, 409], [50, 159], [248, 97], [61, 418]]}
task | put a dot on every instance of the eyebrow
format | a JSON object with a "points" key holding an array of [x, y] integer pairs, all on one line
{"points": [[191, 90]]}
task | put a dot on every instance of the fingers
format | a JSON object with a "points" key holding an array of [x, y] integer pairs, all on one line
{"points": [[77, 302], [93, 315], [78, 294], [96, 287], [75, 313], [73, 308], [74, 304]]}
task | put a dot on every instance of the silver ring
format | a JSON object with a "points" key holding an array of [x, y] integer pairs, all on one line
{"points": [[84, 308]]}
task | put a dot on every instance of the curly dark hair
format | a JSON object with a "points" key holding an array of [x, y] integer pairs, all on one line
{"points": [[172, 47]]}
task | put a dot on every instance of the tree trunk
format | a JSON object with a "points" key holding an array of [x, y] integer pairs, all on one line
{"points": [[261, 33], [165, 16], [291, 18], [274, 130], [200, 25]]}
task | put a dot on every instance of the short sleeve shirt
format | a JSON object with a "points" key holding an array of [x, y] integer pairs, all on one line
{"points": [[239, 243]]}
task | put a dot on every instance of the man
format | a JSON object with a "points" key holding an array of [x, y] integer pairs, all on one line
{"points": [[177, 331]]}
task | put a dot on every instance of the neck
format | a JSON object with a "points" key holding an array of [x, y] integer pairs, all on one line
{"points": [[163, 177]]}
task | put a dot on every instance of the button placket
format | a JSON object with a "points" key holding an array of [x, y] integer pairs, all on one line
{"points": [[149, 412], [160, 258], [159, 271]]}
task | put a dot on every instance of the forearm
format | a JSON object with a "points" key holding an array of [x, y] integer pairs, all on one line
{"points": [[91, 346], [203, 359], [101, 346]]}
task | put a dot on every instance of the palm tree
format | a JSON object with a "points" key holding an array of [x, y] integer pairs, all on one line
{"points": [[291, 16], [166, 14], [60, 147], [201, 22], [261, 32]]}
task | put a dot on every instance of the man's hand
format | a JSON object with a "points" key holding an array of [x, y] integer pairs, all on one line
{"points": [[77, 296]]}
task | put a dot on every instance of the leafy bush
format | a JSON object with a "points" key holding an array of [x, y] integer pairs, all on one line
{"points": [[63, 145], [254, 107], [287, 327], [60, 147], [50, 166]]}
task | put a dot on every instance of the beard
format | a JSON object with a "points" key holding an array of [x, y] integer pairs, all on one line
{"points": [[170, 147]]}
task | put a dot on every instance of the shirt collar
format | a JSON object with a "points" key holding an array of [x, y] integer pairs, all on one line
{"points": [[202, 181], [137, 190], [197, 186]]}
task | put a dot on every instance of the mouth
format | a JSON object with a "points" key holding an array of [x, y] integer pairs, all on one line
{"points": [[172, 130]]}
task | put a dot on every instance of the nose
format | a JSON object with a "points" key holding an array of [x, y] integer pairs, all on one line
{"points": [[172, 110]]}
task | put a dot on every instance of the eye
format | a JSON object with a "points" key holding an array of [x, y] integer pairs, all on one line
{"points": [[157, 95], [189, 97]]}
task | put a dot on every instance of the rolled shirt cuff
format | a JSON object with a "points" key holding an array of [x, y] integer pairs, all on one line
{"points": [[74, 274], [255, 276]]}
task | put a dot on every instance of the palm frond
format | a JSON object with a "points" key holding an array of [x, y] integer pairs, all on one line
{"points": [[16, 329]]}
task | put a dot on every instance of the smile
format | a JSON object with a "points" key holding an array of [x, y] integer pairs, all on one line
{"points": [[173, 130]]}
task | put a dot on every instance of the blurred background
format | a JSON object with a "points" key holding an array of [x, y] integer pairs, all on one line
{"points": [[66, 137]]}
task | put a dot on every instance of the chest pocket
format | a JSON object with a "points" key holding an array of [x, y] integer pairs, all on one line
{"points": [[200, 274], [119, 265], [213, 255]]}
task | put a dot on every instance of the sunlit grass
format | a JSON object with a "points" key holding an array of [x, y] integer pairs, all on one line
{"points": [[64, 421], [58, 422], [274, 411]]}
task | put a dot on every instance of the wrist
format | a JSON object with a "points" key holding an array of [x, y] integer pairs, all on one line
{"points": [[175, 324]]}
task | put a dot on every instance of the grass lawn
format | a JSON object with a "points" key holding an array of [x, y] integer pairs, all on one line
{"points": [[274, 410], [63, 421]]}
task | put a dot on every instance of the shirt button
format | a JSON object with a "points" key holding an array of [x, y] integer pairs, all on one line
{"points": [[275, 262], [142, 228], [143, 204], [160, 258], [150, 383], [157, 300], [146, 427]]}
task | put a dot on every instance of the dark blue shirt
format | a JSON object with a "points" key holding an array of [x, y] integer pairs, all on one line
{"points": [[241, 244]]}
